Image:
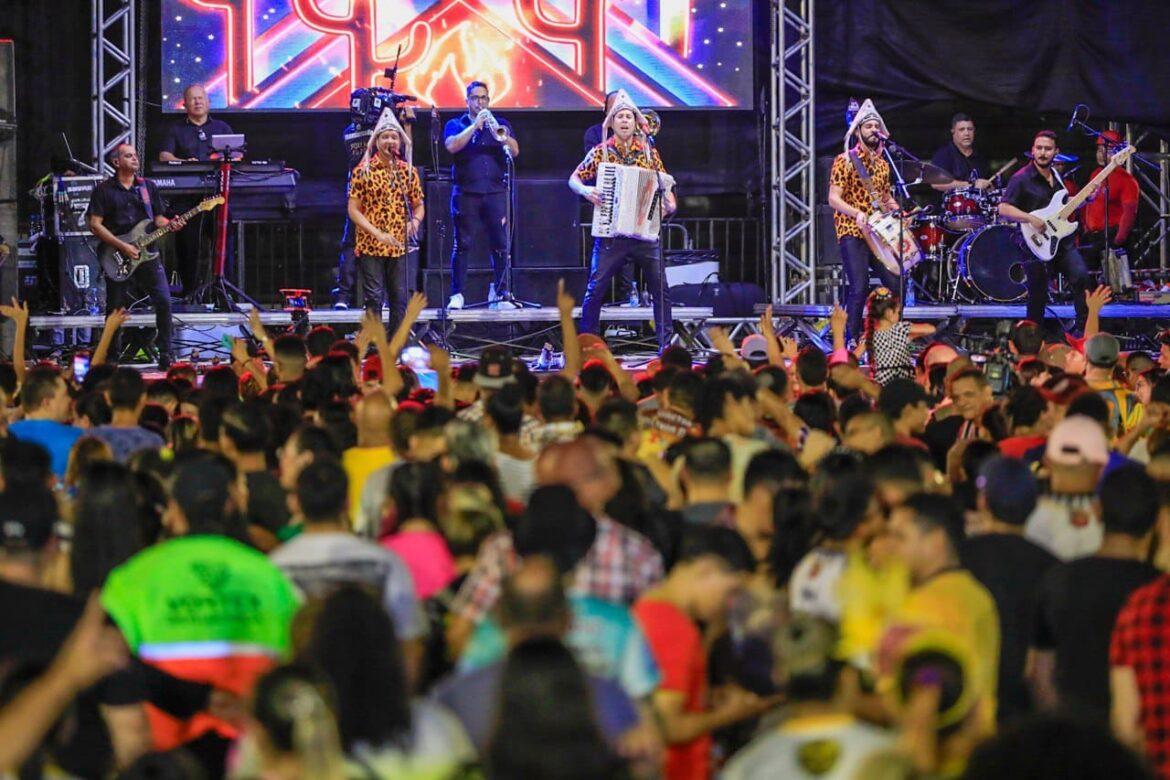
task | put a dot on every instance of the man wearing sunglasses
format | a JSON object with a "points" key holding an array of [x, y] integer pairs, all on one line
{"points": [[190, 140]]}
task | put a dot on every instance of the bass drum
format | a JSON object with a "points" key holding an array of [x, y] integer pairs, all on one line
{"points": [[992, 262]]}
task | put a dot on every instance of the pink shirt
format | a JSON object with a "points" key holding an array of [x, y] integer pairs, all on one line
{"points": [[425, 553]]}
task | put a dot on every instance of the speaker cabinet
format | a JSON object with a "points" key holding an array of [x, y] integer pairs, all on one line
{"points": [[82, 283]]}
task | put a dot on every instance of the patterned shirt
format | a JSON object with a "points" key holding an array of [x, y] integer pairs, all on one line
{"points": [[891, 353], [382, 191], [619, 566], [1140, 638], [853, 190], [633, 153]]}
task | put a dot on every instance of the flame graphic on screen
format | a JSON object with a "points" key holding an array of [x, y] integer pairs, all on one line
{"points": [[459, 55]]}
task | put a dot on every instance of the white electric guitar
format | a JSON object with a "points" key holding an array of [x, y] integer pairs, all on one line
{"points": [[1044, 243]]}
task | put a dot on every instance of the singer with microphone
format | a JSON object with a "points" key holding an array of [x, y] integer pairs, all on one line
{"points": [[482, 146], [852, 205]]}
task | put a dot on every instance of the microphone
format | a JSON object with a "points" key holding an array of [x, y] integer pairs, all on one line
{"points": [[1072, 120], [885, 139]]}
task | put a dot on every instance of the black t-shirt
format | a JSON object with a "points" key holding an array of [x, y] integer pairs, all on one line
{"points": [[1011, 568], [1078, 604], [479, 167], [1028, 190], [959, 165], [121, 208], [186, 139]]}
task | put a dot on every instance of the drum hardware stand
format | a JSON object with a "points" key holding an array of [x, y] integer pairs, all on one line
{"points": [[218, 290], [887, 147]]}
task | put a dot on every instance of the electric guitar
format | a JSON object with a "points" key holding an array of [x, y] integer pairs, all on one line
{"points": [[119, 267], [1044, 243]]}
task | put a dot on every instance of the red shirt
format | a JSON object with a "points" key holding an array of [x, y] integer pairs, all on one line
{"points": [[678, 650], [1019, 446], [1140, 638], [1123, 204]]}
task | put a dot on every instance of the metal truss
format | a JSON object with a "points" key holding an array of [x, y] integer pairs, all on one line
{"points": [[793, 161], [1153, 175], [114, 88]]}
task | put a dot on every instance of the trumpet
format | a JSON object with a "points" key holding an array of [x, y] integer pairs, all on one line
{"points": [[498, 130]]}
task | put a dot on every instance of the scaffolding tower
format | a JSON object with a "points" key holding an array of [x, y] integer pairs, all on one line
{"points": [[114, 86]]}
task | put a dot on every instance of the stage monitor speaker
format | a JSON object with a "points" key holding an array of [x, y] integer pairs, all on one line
{"points": [[546, 234], [82, 283]]}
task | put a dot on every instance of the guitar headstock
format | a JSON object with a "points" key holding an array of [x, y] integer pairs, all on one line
{"points": [[209, 203], [1122, 155]]}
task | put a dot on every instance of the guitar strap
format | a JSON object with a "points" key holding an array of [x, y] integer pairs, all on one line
{"points": [[866, 180], [144, 193]]}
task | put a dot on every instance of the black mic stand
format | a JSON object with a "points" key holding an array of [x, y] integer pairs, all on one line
{"points": [[660, 198], [888, 146]]}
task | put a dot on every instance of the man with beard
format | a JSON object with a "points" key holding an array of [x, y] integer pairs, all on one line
{"points": [[850, 199], [1031, 188]]}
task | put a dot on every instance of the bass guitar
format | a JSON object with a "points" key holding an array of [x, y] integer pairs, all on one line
{"points": [[119, 267], [1044, 243]]}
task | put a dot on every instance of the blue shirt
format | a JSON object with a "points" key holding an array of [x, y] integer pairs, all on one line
{"points": [[604, 637], [124, 442], [57, 438], [479, 167]]}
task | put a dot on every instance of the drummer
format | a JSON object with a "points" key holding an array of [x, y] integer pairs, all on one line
{"points": [[961, 159]]}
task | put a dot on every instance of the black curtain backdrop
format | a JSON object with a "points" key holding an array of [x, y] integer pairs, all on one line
{"points": [[1017, 64]]}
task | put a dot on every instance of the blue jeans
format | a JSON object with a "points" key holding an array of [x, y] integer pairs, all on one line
{"points": [[610, 255], [857, 260]]}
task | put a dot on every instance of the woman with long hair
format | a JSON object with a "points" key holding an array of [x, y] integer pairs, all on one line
{"points": [[546, 727], [111, 523], [384, 733], [414, 493]]}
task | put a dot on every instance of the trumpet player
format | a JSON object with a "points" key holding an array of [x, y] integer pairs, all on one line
{"points": [[482, 145]]}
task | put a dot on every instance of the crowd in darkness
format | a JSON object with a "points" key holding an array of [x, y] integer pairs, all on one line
{"points": [[771, 563]]}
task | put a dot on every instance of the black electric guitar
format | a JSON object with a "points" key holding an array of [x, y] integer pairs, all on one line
{"points": [[119, 267]]}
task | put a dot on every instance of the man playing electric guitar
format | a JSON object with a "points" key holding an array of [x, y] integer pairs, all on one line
{"points": [[1032, 188], [851, 201], [115, 207]]}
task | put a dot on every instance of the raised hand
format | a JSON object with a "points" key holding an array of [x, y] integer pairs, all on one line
{"points": [[415, 306], [767, 327], [17, 311], [1096, 299], [837, 319], [92, 651], [565, 302], [440, 358], [256, 325]]}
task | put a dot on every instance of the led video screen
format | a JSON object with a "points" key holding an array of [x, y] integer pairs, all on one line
{"points": [[540, 54]]}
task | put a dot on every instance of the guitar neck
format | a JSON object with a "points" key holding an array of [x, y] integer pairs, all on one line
{"points": [[150, 238], [1078, 200]]}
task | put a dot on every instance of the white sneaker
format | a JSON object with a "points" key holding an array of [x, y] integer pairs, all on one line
{"points": [[492, 297], [456, 301]]}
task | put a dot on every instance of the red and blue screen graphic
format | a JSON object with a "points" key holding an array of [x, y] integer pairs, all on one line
{"points": [[272, 55]]}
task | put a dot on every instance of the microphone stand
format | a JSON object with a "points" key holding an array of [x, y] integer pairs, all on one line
{"points": [[660, 198], [888, 146]]}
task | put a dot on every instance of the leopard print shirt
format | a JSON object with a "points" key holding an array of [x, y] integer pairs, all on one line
{"points": [[379, 189], [635, 154], [853, 190]]}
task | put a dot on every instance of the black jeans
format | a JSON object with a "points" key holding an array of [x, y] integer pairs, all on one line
{"points": [[151, 278], [471, 212], [1068, 261], [385, 279], [857, 260], [347, 281], [610, 255]]}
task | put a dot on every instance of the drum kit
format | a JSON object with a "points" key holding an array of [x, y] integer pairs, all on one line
{"points": [[969, 253]]}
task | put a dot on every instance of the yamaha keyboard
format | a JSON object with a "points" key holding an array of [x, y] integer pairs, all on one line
{"points": [[260, 189]]}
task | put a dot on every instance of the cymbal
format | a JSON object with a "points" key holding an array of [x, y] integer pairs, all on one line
{"points": [[925, 173]]}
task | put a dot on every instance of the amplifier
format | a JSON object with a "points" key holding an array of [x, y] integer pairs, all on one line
{"points": [[691, 266], [70, 201]]}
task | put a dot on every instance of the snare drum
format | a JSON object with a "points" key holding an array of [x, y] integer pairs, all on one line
{"points": [[992, 262], [962, 211]]}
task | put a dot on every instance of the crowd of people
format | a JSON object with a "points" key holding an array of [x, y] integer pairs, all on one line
{"points": [[773, 563]]}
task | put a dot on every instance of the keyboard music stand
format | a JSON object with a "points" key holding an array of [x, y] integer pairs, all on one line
{"points": [[218, 291]]}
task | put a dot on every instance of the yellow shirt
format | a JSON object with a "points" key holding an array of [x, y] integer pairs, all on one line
{"points": [[954, 602], [359, 463], [870, 596]]}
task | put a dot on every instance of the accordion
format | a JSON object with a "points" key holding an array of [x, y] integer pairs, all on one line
{"points": [[629, 202]]}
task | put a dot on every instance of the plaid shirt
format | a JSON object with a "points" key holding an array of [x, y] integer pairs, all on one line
{"points": [[619, 567], [529, 425], [1141, 637]]}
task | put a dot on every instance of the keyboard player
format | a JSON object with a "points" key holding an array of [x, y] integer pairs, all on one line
{"points": [[190, 141], [610, 255]]}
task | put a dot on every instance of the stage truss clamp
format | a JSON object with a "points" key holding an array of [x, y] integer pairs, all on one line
{"points": [[792, 108], [114, 85]]}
